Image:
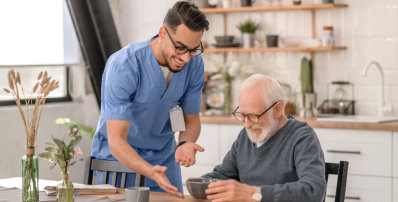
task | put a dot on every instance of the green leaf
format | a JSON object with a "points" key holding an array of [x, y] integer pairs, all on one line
{"points": [[59, 143], [48, 155], [51, 149], [73, 163], [75, 141], [66, 152], [61, 163]]}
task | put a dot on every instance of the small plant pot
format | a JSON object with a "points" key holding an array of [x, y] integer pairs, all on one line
{"points": [[306, 104], [247, 40]]}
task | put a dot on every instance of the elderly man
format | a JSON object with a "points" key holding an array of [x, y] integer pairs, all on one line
{"points": [[274, 158]]}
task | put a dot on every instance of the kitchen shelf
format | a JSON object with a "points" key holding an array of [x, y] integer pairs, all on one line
{"points": [[273, 8], [266, 49]]}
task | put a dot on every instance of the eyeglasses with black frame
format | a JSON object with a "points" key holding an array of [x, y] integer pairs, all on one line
{"points": [[252, 117], [183, 49]]}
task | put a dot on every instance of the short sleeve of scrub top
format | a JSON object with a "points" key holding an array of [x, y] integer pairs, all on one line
{"points": [[118, 87]]}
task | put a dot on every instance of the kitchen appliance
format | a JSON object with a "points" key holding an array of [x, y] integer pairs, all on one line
{"points": [[339, 102]]}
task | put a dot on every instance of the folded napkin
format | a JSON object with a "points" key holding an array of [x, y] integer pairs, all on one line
{"points": [[84, 189]]}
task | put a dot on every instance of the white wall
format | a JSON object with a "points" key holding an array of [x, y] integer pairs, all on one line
{"points": [[83, 109], [368, 28]]}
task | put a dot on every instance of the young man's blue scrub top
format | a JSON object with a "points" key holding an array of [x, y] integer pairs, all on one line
{"points": [[134, 89]]}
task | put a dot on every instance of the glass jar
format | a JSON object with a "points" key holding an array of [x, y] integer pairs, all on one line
{"points": [[327, 36], [65, 190], [30, 176]]}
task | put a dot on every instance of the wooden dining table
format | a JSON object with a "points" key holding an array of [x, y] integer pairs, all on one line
{"points": [[16, 182], [153, 197]]}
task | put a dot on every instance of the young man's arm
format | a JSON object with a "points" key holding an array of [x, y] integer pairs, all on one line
{"points": [[126, 155], [185, 154]]}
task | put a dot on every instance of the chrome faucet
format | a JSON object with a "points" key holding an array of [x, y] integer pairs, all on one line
{"points": [[382, 109]]}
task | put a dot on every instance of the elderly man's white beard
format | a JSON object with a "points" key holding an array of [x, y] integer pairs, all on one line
{"points": [[266, 132]]}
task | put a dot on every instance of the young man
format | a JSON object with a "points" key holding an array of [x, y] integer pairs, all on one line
{"points": [[274, 158], [140, 84]]}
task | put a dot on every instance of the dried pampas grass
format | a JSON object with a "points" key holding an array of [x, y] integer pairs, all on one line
{"points": [[31, 116]]}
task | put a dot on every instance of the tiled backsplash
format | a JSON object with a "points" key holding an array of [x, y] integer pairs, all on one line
{"points": [[368, 28]]}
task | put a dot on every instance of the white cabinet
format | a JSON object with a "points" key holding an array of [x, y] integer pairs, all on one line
{"points": [[228, 135], [395, 157], [368, 152], [362, 189]]}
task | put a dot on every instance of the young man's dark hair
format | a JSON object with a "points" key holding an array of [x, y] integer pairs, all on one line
{"points": [[187, 13]]}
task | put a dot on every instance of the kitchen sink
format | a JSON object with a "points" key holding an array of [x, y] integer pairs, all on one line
{"points": [[359, 118]]}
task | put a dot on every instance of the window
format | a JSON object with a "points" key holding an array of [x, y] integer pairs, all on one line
{"points": [[36, 36]]}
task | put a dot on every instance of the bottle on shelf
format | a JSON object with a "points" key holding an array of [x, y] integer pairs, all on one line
{"points": [[327, 36]]}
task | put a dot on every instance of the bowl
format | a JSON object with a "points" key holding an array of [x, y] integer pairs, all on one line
{"points": [[197, 186], [224, 39]]}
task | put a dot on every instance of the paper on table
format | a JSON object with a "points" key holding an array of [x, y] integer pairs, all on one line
{"points": [[84, 189]]}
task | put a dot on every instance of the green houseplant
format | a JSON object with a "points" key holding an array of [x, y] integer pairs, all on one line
{"points": [[248, 28], [65, 155], [306, 100]]}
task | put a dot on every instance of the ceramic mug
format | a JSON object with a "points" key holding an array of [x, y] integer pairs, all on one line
{"points": [[226, 3], [272, 40], [137, 194], [244, 3]]}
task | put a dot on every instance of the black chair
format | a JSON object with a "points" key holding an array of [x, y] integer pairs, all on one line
{"points": [[341, 170], [109, 167]]}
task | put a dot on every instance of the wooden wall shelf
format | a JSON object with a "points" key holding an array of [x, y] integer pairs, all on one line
{"points": [[266, 49], [273, 8]]}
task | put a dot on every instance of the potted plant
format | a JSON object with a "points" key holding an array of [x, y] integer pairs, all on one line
{"points": [[248, 28], [65, 154]]}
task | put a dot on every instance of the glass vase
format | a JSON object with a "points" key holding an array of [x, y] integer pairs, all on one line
{"points": [[30, 176], [228, 99], [65, 190]]}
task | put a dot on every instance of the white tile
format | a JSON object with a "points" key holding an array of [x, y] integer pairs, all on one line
{"points": [[385, 51], [361, 24], [367, 93], [385, 24]]}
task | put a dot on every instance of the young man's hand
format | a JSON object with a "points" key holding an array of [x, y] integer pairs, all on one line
{"points": [[159, 176], [185, 154]]}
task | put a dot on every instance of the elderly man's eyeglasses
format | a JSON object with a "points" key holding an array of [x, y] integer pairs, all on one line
{"points": [[252, 117], [183, 49]]}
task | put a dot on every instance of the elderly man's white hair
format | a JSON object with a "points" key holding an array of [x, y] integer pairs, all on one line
{"points": [[272, 90]]}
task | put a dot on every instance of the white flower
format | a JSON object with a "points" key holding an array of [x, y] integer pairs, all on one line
{"points": [[233, 69]]}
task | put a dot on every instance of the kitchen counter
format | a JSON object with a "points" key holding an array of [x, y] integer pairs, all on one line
{"points": [[313, 122]]}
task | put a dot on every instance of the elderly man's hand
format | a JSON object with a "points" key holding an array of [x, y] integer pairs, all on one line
{"points": [[230, 190], [185, 154]]}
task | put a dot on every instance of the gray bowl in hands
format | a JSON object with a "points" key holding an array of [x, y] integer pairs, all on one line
{"points": [[198, 186]]}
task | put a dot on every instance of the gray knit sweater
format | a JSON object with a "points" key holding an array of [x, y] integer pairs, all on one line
{"points": [[289, 167]]}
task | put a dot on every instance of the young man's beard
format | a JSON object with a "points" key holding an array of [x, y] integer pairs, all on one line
{"points": [[168, 65]]}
